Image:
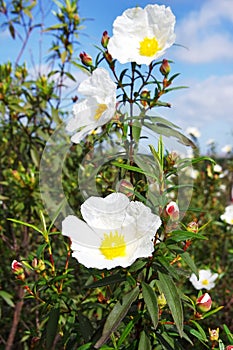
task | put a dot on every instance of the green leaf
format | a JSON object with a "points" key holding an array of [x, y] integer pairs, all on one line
{"points": [[228, 333], [25, 224], [136, 130], [179, 236], [85, 346], [209, 313], [52, 325], [85, 326], [7, 297], [116, 315], [189, 261], [144, 343], [167, 131], [125, 332], [168, 287], [107, 281], [151, 303], [200, 330]]}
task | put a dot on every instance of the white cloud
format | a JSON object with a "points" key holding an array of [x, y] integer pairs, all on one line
{"points": [[206, 33], [207, 105]]}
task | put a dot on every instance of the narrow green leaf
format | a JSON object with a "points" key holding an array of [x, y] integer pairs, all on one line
{"points": [[52, 325], [25, 224], [116, 316], [125, 332], [85, 346], [189, 261], [228, 333], [7, 297], [200, 330], [179, 236], [85, 326], [107, 281], [168, 287], [211, 312], [144, 343], [151, 303]]}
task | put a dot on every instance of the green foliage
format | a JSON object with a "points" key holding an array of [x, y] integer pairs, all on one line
{"points": [[56, 302]]}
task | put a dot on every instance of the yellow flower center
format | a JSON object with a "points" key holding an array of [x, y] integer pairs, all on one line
{"points": [[100, 110], [149, 47], [205, 282], [231, 221], [113, 246]]}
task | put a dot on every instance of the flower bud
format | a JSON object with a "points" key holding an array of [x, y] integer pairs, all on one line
{"points": [[214, 334], [18, 270], [109, 59], [172, 210], [105, 39], [125, 187], [145, 94], [86, 59], [204, 303], [16, 267], [165, 68], [229, 347], [192, 227], [161, 301]]}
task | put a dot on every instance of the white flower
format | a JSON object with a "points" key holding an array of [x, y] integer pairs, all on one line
{"points": [[217, 168], [192, 130], [142, 35], [228, 215], [227, 149], [206, 279], [97, 108], [116, 231]]}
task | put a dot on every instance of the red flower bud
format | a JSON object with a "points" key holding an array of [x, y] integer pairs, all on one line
{"points": [[105, 39], [165, 68], [204, 303], [16, 267], [86, 59], [229, 347], [172, 210]]}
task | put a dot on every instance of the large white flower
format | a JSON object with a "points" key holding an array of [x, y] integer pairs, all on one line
{"points": [[116, 231], [142, 35], [97, 108], [228, 215], [206, 279]]}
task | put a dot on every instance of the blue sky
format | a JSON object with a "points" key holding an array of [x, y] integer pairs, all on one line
{"points": [[205, 28]]}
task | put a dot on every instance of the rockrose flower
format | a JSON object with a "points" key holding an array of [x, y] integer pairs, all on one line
{"points": [[228, 215], [116, 231], [142, 35], [205, 281], [97, 108]]}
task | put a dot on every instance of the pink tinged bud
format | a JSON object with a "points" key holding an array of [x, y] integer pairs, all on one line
{"points": [[105, 39], [192, 227], [165, 68], [125, 187], [229, 347], [86, 59], [204, 303], [172, 210]]}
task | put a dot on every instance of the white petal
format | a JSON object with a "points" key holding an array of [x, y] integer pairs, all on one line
{"points": [[100, 85], [83, 114], [80, 233], [106, 213]]}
